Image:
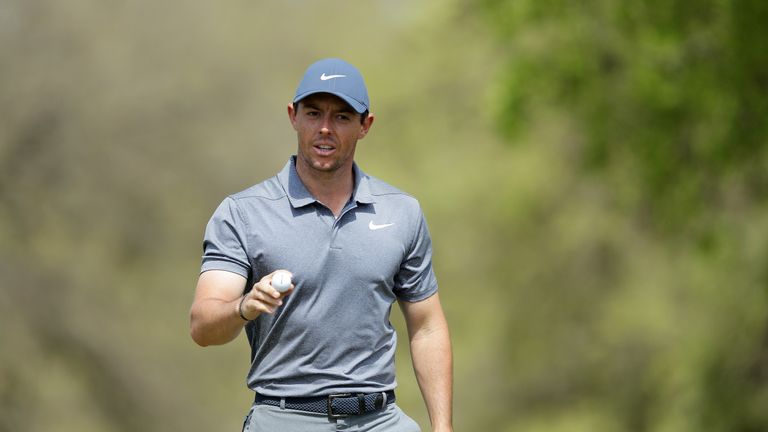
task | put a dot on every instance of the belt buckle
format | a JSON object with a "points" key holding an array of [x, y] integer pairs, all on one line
{"points": [[330, 405]]}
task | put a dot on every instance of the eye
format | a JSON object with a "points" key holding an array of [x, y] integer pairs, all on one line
{"points": [[343, 117]]}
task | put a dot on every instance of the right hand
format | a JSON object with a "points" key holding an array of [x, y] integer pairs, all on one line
{"points": [[263, 298]]}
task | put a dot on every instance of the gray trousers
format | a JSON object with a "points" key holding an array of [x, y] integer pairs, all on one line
{"points": [[266, 418]]}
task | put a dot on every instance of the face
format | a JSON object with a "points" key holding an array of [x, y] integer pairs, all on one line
{"points": [[328, 130]]}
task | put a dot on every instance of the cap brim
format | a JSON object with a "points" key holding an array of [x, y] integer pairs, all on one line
{"points": [[354, 103]]}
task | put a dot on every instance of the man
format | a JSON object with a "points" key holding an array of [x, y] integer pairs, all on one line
{"points": [[322, 352]]}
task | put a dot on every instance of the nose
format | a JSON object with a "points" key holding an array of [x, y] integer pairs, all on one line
{"points": [[325, 126]]}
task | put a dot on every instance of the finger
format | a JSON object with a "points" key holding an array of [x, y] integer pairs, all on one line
{"points": [[264, 308], [253, 308], [265, 285], [268, 298]]}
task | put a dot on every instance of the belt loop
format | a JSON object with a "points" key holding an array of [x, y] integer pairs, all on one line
{"points": [[282, 403], [361, 402]]}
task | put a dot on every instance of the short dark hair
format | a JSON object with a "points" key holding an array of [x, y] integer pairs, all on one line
{"points": [[363, 115]]}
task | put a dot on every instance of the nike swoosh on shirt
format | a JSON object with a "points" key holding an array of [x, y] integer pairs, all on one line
{"points": [[325, 77], [373, 227]]}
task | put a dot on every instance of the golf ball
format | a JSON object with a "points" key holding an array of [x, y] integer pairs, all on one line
{"points": [[281, 281]]}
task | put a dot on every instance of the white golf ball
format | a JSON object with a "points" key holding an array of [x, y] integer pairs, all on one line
{"points": [[281, 281]]}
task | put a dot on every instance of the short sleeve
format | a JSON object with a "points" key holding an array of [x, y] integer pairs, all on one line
{"points": [[416, 280], [224, 246]]}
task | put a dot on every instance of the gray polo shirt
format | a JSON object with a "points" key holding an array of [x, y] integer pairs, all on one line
{"points": [[333, 333]]}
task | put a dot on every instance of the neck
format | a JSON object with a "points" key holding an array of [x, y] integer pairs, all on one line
{"points": [[332, 189]]}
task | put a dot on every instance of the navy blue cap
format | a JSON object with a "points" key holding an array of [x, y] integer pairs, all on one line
{"points": [[337, 77]]}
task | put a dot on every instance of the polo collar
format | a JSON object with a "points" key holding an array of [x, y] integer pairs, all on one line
{"points": [[299, 196]]}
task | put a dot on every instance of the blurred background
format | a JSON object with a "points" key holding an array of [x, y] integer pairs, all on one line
{"points": [[594, 174]]}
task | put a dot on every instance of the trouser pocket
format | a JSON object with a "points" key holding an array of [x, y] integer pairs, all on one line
{"points": [[247, 421]]}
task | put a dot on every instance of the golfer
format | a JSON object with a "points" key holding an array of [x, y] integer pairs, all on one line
{"points": [[322, 352]]}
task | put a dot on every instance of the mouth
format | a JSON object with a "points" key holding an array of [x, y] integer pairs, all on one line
{"points": [[324, 149]]}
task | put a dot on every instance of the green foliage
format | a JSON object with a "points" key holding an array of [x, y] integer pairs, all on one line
{"points": [[670, 92], [659, 307]]}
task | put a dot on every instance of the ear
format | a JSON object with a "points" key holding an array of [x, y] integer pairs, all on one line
{"points": [[366, 126], [292, 115]]}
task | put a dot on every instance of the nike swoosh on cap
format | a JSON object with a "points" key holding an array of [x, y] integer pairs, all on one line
{"points": [[373, 227], [325, 77]]}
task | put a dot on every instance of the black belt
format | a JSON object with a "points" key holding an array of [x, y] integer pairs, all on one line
{"points": [[336, 405]]}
